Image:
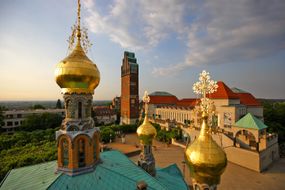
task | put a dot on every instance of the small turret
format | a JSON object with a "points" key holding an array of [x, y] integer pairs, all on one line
{"points": [[146, 133]]}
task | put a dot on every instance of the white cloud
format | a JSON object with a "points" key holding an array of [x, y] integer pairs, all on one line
{"points": [[235, 31], [138, 24], [215, 32]]}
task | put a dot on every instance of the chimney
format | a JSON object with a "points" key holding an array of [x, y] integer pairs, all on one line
{"points": [[141, 185]]}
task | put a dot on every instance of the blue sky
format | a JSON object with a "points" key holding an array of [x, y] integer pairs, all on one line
{"points": [[240, 42]]}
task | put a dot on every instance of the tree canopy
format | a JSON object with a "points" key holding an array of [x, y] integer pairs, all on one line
{"points": [[274, 118], [42, 121], [38, 106], [58, 104]]}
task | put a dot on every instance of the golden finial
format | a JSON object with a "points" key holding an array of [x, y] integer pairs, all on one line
{"points": [[80, 34], [78, 20]]}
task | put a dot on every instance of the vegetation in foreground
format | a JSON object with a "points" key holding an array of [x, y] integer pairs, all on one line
{"points": [[26, 148]]}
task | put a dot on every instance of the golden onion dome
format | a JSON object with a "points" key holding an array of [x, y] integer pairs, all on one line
{"points": [[205, 158], [146, 131], [77, 73]]}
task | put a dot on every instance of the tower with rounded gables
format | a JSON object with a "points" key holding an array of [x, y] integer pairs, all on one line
{"points": [[129, 89], [78, 138]]}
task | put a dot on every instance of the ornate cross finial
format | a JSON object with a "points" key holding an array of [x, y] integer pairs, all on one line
{"points": [[146, 100], [78, 20], [80, 34], [205, 86]]}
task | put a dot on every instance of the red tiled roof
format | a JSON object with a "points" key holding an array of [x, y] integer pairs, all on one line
{"points": [[223, 92], [248, 99], [163, 99], [187, 102], [103, 110]]}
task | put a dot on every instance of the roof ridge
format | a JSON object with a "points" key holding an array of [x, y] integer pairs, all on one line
{"points": [[137, 167]]}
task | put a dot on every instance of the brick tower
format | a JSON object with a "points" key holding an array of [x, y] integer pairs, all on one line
{"points": [[129, 89]]}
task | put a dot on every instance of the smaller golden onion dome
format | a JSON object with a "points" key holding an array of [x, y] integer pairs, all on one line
{"points": [[77, 73], [146, 132], [205, 158]]}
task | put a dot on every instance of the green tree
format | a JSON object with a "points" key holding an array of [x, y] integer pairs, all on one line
{"points": [[26, 148], [1, 116], [106, 134], [274, 118], [38, 106], [2, 109], [58, 104], [42, 121]]}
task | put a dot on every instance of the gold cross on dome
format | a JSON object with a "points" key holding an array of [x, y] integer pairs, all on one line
{"points": [[205, 86]]}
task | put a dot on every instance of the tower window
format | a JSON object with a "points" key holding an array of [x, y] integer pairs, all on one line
{"points": [[81, 153], [94, 148], [64, 149], [79, 110]]}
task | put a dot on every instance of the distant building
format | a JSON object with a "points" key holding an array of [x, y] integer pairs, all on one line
{"points": [[129, 89], [158, 99], [104, 115], [230, 106], [116, 104], [15, 118], [237, 116]]}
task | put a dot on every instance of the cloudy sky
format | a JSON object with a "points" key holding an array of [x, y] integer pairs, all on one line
{"points": [[240, 42]]}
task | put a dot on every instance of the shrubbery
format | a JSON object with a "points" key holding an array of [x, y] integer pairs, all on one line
{"points": [[42, 121], [26, 148], [166, 136], [106, 134]]}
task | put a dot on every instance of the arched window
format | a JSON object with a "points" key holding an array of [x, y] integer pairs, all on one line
{"points": [[67, 108], [64, 149], [73, 128], [81, 153], [79, 110], [94, 148]]}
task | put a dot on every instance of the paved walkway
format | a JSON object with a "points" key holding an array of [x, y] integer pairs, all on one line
{"points": [[235, 177]]}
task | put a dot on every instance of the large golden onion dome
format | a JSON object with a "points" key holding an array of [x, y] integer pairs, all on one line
{"points": [[146, 131], [77, 73], [205, 158]]}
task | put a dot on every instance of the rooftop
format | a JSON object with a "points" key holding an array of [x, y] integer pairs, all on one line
{"points": [[160, 93], [249, 121], [114, 166], [223, 92]]}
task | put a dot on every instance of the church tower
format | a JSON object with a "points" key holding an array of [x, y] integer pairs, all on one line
{"points": [[77, 138], [146, 133], [129, 89]]}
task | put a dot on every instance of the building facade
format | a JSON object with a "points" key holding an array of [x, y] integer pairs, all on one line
{"points": [[15, 118], [104, 115], [129, 89], [230, 108]]}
